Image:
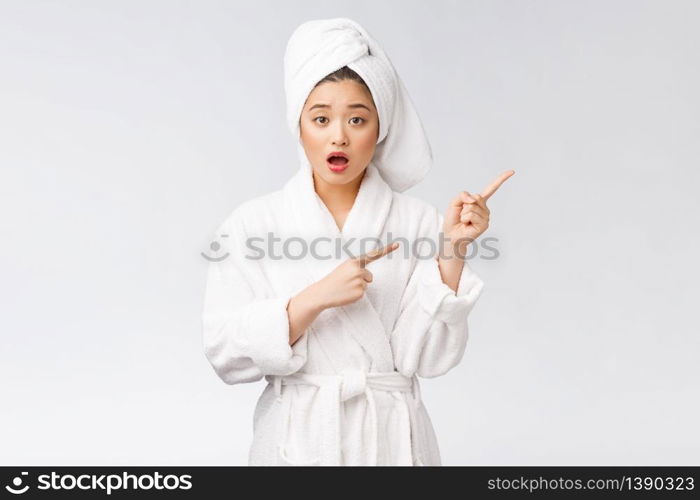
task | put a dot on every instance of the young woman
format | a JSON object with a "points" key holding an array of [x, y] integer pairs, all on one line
{"points": [[310, 297]]}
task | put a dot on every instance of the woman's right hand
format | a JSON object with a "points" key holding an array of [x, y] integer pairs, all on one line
{"points": [[344, 285], [347, 282]]}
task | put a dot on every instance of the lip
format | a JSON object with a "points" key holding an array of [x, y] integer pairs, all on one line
{"points": [[337, 153], [337, 168]]}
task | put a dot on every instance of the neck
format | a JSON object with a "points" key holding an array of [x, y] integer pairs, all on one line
{"points": [[338, 197]]}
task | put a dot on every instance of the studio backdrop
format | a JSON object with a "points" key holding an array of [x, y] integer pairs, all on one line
{"points": [[130, 130]]}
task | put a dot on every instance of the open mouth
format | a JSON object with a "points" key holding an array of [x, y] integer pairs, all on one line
{"points": [[337, 161]]}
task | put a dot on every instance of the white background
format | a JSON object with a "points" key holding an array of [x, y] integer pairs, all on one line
{"points": [[129, 130]]}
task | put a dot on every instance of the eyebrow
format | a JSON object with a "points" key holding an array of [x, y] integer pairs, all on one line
{"points": [[354, 105]]}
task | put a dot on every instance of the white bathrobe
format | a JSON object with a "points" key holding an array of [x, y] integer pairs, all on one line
{"points": [[347, 391]]}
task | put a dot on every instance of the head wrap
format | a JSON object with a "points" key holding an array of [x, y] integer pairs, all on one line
{"points": [[319, 47]]}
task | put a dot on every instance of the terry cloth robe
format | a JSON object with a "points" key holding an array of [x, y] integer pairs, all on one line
{"points": [[347, 391]]}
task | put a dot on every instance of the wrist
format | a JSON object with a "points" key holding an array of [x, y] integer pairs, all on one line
{"points": [[455, 250], [313, 299]]}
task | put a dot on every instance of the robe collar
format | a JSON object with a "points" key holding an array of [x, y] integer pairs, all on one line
{"points": [[366, 217], [314, 224]]}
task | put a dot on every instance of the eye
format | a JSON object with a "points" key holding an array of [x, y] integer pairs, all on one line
{"points": [[322, 117], [357, 118]]}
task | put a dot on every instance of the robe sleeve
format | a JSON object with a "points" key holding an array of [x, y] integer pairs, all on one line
{"points": [[430, 334], [245, 327]]}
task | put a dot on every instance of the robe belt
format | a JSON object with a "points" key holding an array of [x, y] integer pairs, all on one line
{"points": [[334, 389]]}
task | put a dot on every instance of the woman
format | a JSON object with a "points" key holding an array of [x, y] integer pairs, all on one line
{"points": [[341, 337]]}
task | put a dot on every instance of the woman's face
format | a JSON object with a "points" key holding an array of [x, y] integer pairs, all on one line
{"points": [[339, 116]]}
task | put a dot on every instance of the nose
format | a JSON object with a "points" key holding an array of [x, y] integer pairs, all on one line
{"points": [[339, 136]]}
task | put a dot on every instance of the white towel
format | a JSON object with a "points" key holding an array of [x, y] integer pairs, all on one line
{"points": [[317, 48]]}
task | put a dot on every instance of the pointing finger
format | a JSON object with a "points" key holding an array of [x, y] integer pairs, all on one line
{"points": [[376, 254], [486, 193]]}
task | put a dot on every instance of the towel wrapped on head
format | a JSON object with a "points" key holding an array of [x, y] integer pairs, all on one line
{"points": [[317, 48]]}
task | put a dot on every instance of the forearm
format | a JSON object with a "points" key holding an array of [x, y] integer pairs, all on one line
{"points": [[302, 309], [452, 263]]}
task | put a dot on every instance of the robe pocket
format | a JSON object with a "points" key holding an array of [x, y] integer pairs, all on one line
{"points": [[299, 438]]}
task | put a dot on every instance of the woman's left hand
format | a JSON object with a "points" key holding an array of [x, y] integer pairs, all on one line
{"points": [[467, 216]]}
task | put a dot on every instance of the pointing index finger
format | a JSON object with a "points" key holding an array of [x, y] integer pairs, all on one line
{"points": [[376, 254], [491, 188]]}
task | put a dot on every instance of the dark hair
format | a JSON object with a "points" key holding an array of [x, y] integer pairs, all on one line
{"points": [[343, 73]]}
